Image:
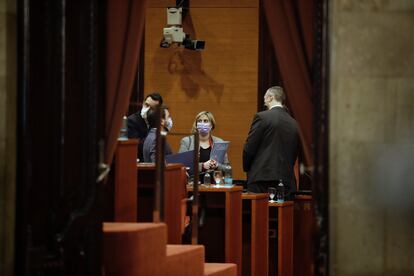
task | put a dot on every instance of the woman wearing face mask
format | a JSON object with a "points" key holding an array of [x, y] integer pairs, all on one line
{"points": [[204, 123]]}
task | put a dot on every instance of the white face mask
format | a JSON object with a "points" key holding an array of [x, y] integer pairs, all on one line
{"points": [[144, 112], [169, 124]]}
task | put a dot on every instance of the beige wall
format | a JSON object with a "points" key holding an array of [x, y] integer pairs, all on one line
{"points": [[221, 79], [371, 118], [7, 132]]}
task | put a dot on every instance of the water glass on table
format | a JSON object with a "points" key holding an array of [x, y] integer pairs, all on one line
{"points": [[218, 177], [272, 194], [207, 178]]}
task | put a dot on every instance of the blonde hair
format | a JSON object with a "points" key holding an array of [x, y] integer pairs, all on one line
{"points": [[210, 118]]}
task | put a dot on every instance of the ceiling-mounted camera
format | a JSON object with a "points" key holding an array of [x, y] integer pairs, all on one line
{"points": [[174, 32]]}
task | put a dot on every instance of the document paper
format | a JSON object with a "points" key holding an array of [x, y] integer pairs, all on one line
{"points": [[219, 151]]}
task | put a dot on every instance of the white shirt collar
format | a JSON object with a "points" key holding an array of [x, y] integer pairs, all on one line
{"points": [[276, 105]]}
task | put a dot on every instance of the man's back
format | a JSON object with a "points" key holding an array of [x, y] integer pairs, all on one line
{"points": [[149, 147], [272, 147]]}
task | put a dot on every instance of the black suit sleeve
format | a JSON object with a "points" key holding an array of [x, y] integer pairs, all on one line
{"points": [[137, 127], [133, 127], [253, 142]]}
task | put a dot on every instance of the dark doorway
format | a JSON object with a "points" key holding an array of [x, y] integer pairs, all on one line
{"points": [[300, 40], [60, 110]]}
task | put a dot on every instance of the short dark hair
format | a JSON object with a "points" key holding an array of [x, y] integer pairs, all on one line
{"points": [[152, 115], [155, 96], [277, 93]]}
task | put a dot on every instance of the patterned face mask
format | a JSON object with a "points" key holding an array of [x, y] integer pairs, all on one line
{"points": [[203, 128]]}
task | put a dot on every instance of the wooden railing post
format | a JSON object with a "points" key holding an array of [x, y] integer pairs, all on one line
{"points": [[194, 223]]}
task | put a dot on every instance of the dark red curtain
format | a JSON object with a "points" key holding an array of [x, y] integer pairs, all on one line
{"points": [[125, 28], [290, 25]]}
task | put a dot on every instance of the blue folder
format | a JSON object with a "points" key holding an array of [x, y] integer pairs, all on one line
{"points": [[185, 158], [219, 151]]}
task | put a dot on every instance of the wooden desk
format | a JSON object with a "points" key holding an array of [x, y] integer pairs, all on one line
{"points": [[255, 234], [174, 196], [281, 249], [221, 233]]}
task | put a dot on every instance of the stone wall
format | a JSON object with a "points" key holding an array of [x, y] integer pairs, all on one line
{"points": [[371, 137]]}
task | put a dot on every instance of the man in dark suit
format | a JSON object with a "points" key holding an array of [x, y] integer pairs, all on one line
{"points": [[272, 146], [137, 123]]}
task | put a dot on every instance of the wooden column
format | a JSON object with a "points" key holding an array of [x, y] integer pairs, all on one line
{"points": [[255, 234], [284, 254], [125, 189]]}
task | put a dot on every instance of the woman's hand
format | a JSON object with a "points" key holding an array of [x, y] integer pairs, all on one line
{"points": [[213, 164], [207, 165], [210, 165]]}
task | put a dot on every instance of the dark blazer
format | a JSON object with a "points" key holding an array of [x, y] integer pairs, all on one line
{"points": [[271, 148], [138, 129], [150, 144]]}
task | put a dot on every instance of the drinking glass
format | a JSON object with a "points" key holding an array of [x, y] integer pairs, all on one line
{"points": [[218, 177], [272, 193]]}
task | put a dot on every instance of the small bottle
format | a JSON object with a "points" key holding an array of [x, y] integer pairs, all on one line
{"points": [[207, 178], [280, 192], [123, 134], [228, 176]]}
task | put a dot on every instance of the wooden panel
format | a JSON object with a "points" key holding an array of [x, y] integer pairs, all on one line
{"points": [[255, 234], [233, 229], [125, 199], [260, 232], [205, 3], [285, 241], [221, 79], [281, 263], [175, 182], [174, 193], [304, 229]]}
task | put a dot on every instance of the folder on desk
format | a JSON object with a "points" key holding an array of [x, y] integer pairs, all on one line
{"points": [[185, 158], [219, 151]]}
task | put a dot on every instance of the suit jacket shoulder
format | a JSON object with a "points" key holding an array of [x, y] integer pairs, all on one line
{"points": [[216, 139], [186, 144], [137, 127]]}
